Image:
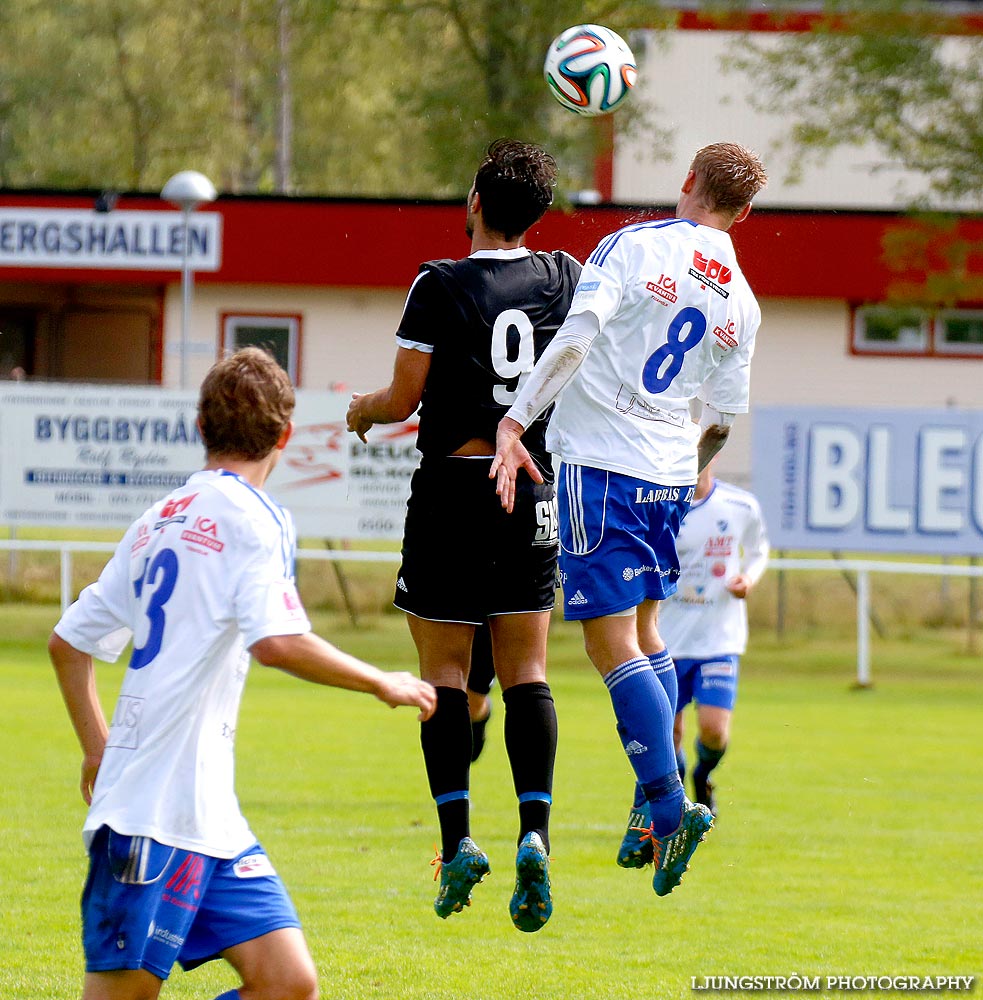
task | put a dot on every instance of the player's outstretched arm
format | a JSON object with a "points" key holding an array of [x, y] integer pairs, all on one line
{"points": [[311, 658], [77, 680], [396, 401]]}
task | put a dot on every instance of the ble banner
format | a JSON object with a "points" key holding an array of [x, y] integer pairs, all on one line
{"points": [[870, 480]]}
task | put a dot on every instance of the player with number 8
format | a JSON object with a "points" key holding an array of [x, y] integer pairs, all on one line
{"points": [[662, 315]]}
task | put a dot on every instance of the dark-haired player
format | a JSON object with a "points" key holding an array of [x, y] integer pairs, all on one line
{"points": [[470, 333], [200, 581]]}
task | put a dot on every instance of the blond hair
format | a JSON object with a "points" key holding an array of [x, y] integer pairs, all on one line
{"points": [[728, 176]]}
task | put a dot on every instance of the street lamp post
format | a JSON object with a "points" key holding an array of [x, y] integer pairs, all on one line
{"points": [[187, 189]]}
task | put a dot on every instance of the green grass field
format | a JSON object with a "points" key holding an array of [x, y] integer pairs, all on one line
{"points": [[850, 840]]}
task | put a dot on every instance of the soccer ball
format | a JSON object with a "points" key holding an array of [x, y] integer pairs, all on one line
{"points": [[590, 69]]}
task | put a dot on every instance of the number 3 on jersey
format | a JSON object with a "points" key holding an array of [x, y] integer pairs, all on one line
{"points": [[162, 575], [657, 375], [506, 368]]}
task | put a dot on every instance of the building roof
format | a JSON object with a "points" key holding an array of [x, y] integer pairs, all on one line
{"points": [[380, 243]]}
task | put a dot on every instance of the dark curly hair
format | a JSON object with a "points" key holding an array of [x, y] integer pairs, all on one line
{"points": [[515, 182]]}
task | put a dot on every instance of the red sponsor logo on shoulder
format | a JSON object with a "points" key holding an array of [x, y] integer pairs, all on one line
{"points": [[173, 507], [712, 268]]}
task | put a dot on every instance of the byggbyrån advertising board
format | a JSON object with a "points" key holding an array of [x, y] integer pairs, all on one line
{"points": [[98, 456], [870, 480]]}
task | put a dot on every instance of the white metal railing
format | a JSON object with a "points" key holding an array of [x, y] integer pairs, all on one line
{"points": [[66, 548], [861, 567]]}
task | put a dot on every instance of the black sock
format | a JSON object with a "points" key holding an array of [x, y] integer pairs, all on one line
{"points": [[707, 760], [446, 741], [478, 728], [530, 741]]}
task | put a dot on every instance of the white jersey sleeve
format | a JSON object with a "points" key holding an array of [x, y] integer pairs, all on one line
{"points": [[608, 272], [97, 623]]}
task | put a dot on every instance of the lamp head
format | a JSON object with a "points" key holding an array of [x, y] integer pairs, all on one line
{"points": [[188, 189]]}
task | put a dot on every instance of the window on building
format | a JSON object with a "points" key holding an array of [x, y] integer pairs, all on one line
{"points": [[959, 331], [909, 330], [881, 329], [277, 333]]}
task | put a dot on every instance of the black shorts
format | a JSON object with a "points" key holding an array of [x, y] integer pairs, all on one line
{"points": [[464, 557]]}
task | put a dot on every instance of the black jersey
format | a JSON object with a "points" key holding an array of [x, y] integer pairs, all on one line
{"points": [[487, 319]]}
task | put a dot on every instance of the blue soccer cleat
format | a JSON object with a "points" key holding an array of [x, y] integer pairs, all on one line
{"points": [[672, 852], [636, 846], [531, 904], [458, 877]]}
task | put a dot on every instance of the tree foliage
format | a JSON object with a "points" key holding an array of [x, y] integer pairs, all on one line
{"points": [[337, 97], [886, 73]]}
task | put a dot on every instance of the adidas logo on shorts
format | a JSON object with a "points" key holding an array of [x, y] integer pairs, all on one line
{"points": [[402, 586], [577, 599]]}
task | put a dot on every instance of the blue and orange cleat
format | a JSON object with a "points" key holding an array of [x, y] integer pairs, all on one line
{"points": [[458, 877], [672, 852], [636, 849], [532, 903]]}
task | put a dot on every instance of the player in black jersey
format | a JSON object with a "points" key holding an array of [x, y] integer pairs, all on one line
{"points": [[471, 332]]}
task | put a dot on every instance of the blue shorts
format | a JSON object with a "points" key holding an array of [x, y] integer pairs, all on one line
{"points": [[617, 540], [147, 906], [707, 682]]}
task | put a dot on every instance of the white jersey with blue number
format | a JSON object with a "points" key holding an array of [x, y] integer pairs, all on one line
{"points": [[722, 535], [199, 578], [677, 321]]}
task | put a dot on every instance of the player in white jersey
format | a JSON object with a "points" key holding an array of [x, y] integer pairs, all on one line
{"points": [[662, 315], [723, 553], [200, 581]]}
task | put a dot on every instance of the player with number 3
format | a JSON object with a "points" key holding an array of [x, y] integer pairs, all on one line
{"points": [[200, 581], [662, 315]]}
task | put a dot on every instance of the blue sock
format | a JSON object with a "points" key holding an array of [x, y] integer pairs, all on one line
{"points": [[665, 670], [681, 763], [230, 995], [645, 720]]}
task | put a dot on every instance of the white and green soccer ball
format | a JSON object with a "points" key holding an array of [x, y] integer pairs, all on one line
{"points": [[590, 69]]}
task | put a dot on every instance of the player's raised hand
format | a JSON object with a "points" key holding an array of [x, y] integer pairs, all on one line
{"points": [[401, 688]]}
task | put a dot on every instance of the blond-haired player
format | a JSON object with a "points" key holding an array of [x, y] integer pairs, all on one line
{"points": [[662, 315]]}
